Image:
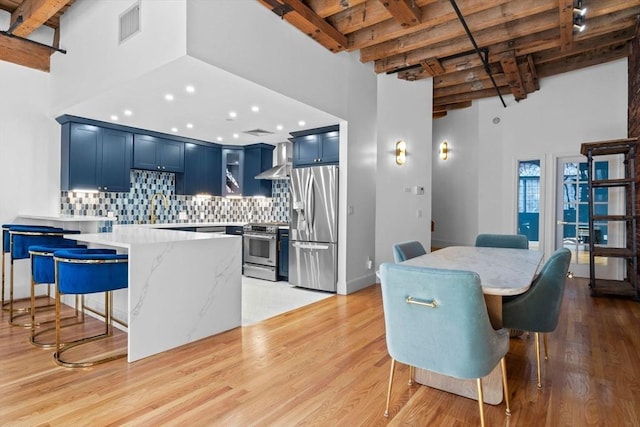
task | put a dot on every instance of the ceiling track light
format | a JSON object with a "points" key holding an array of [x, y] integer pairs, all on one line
{"points": [[578, 23], [578, 9]]}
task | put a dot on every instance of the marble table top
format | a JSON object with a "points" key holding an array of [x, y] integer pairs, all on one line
{"points": [[502, 271]]}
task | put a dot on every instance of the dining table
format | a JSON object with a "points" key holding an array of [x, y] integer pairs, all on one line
{"points": [[502, 272]]}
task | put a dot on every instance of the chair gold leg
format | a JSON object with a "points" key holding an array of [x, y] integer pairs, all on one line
{"points": [[505, 386], [386, 409], [537, 336], [546, 353], [480, 400], [410, 375]]}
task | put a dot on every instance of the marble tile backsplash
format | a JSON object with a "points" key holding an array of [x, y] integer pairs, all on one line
{"points": [[134, 207]]}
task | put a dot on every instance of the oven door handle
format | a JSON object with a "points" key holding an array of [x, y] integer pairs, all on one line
{"points": [[260, 236]]}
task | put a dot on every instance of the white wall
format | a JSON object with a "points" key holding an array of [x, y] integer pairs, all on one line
{"points": [[404, 113], [96, 61], [455, 217], [568, 110], [29, 151]]}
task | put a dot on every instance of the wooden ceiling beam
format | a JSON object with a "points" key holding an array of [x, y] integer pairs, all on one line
{"points": [[452, 106], [511, 71], [306, 20], [406, 12], [565, 9], [433, 15], [432, 67], [34, 13], [486, 37], [465, 76], [470, 96], [481, 84], [493, 17], [326, 8], [23, 53], [599, 56], [585, 45], [520, 37]]}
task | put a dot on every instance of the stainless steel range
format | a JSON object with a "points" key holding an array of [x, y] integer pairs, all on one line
{"points": [[260, 242]]}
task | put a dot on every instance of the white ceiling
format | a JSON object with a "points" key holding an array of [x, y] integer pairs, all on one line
{"points": [[216, 94]]}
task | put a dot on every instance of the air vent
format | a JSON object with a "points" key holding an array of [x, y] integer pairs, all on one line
{"points": [[130, 22], [258, 132]]}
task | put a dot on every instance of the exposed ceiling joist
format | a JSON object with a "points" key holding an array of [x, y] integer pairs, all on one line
{"points": [[512, 73], [24, 53], [406, 12], [302, 17], [33, 14], [565, 8]]}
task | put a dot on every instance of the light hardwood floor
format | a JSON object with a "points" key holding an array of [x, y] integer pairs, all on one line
{"points": [[326, 365]]}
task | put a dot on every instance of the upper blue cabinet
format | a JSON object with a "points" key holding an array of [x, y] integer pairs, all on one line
{"points": [[94, 158], [257, 158], [201, 170], [159, 154], [313, 147]]}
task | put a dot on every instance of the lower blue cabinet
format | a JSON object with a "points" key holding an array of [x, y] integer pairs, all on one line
{"points": [[283, 254]]}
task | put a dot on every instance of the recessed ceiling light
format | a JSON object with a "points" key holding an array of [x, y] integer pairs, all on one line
{"points": [[114, 117], [128, 112], [255, 108], [279, 127], [302, 123], [190, 125], [168, 97], [174, 129], [219, 139], [235, 135], [190, 88], [233, 114]]}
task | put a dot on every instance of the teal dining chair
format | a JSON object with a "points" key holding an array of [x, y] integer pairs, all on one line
{"points": [[437, 320], [407, 250], [538, 309], [514, 241]]}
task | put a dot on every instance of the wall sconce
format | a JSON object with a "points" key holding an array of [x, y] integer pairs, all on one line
{"points": [[444, 150], [401, 152]]}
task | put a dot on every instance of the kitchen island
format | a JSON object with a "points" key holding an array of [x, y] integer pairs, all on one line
{"points": [[182, 286]]}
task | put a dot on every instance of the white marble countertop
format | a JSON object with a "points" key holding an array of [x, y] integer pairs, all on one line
{"points": [[125, 237], [502, 271]]}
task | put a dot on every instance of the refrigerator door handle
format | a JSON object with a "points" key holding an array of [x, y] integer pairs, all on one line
{"points": [[309, 246], [312, 202]]}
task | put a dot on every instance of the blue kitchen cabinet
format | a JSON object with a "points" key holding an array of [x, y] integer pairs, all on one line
{"points": [[232, 171], [201, 170], [95, 158], [314, 147], [158, 154], [257, 158], [283, 254], [234, 229]]}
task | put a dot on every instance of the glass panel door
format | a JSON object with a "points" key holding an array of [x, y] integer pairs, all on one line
{"points": [[529, 201]]}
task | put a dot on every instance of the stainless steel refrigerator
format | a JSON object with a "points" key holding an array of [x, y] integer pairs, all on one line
{"points": [[313, 242]]}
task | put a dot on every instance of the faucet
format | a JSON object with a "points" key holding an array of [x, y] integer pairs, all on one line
{"points": [[152, 205]]}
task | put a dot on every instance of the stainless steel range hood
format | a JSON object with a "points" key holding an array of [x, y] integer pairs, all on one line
{"points": [[282, 169]]}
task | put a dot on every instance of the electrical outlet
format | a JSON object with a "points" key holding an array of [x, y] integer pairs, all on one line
{"points": [[201, 215], [369, 263], [182, 215]]}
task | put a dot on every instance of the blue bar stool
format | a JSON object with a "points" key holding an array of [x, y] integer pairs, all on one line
{"points": [[87, 271], [6, 248], [20, 238], [43, 272]]}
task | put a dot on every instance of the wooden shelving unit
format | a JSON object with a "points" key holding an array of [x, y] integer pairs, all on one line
{"points": [[628, 287]]}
